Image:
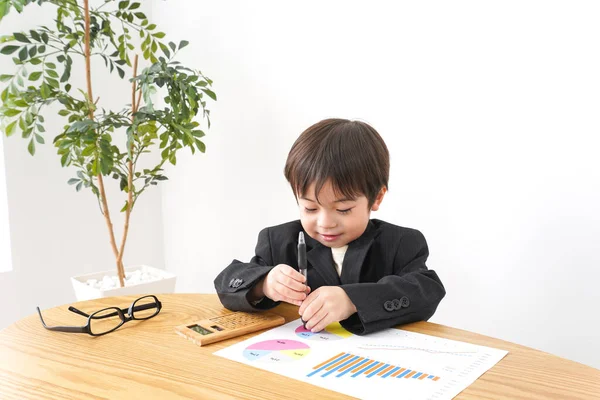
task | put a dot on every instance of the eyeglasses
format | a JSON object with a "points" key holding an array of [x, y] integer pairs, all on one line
{"points": [[109, 319]]}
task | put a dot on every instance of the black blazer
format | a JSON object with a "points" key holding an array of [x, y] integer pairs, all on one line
{"points": [[383, 273]]}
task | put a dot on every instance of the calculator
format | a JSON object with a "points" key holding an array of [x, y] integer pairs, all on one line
{"points": [[227, 326]]}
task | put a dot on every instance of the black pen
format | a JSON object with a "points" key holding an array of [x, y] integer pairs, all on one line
{"points": [[302, 256], [302, 262]]}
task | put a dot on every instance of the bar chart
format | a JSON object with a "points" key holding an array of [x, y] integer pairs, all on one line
{"points": [[354, 366]]}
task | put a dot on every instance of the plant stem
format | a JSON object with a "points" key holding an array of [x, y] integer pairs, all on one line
{"points": [[130, 187], [106, 212]]}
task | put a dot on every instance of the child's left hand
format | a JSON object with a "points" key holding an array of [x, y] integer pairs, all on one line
{"points": [[325, 305]]}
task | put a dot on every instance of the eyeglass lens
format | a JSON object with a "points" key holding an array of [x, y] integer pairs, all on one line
{"points": [[105, 321], [145, 307]]}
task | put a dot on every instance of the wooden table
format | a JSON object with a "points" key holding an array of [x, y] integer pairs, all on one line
{"points": [[148, 360]]}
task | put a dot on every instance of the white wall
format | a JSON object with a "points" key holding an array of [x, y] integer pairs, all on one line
{"points": [[56, 232], [5, 253], [490, 112]]}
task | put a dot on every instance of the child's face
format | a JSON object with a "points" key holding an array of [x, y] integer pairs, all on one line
{"points": [[335, 222]]}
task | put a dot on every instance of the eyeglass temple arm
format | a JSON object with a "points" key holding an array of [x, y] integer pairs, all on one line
{"points": [[76, 311], [123, 310], [74, 329], [146, 306]]}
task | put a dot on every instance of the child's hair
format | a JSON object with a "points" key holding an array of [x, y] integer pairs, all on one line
{"points": [[350, 154]]}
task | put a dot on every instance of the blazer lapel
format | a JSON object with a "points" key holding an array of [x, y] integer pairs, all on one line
{"points": [[355, 255], [321, 261]]}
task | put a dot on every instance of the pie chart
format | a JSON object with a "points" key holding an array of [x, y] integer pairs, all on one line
{"points": [[277, 351], [333, 331]]}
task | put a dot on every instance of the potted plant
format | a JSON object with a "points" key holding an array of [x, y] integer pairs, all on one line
{"points": [[116, 32]]}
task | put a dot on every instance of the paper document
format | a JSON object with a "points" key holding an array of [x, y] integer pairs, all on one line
{"points": [[391, 362]]}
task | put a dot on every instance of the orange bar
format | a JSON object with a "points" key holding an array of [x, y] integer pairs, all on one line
{"points": [[401, 370], [410, 374], [351, 364], [386, 370], [343, 360], [423, 376], [435, 378], [375, 366], [328, 361], [363, 366]]}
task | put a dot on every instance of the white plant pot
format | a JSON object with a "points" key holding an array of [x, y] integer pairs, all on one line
{"points": [[165, 284]]}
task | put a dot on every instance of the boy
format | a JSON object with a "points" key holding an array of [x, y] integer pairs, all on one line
{"points": [[367, 274]]}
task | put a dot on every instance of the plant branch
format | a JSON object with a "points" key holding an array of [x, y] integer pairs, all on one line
{"points": [[130, 187], [88, 76]]}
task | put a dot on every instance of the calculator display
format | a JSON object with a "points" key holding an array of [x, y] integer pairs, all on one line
{"points": [[199, 329]]}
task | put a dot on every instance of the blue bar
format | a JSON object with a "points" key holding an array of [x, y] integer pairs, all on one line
{"points": [[430, 376], [328, 365], [390, 372], [363, 370], [404, 373], [353, 367], [340, 366], [418, 374], [378, 370]]}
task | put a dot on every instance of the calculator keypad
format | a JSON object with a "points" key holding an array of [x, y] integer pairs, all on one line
{"points": [[232, 321]]}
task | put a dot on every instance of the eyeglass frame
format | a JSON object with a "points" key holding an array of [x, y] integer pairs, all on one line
{"points": [[119, 311]]}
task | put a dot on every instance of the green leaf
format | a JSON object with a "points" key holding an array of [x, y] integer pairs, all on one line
{"points": [[50, 65], [35, 61], [9, 49], [4, 8], [52, 73], [150, 27], [134, 6], [10, 128], [23, 54], [35, 35], [45, 90], [140, 15], [11, 112], [53, 83], [20, 37], [159, 35], [78, 187], [165, 50], [123, 4], [45, 39], [31, 147], [201, 146], [121, 72], [183, 43], [34, 76], [210, 94], [39, 139], [73, 181], [5, 77]]}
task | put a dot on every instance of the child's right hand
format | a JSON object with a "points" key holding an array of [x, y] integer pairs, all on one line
{"points": [[284, 283]]}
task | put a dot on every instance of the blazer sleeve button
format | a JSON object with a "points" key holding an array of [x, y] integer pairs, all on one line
{"points": [[396, 304], [388, 306], [405, 301]]}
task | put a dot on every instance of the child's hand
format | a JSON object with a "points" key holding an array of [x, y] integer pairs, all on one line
{"points": [[325, 305], [284, 283]]}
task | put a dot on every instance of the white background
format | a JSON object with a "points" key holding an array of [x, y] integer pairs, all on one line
{"points": [[490, 113]]}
